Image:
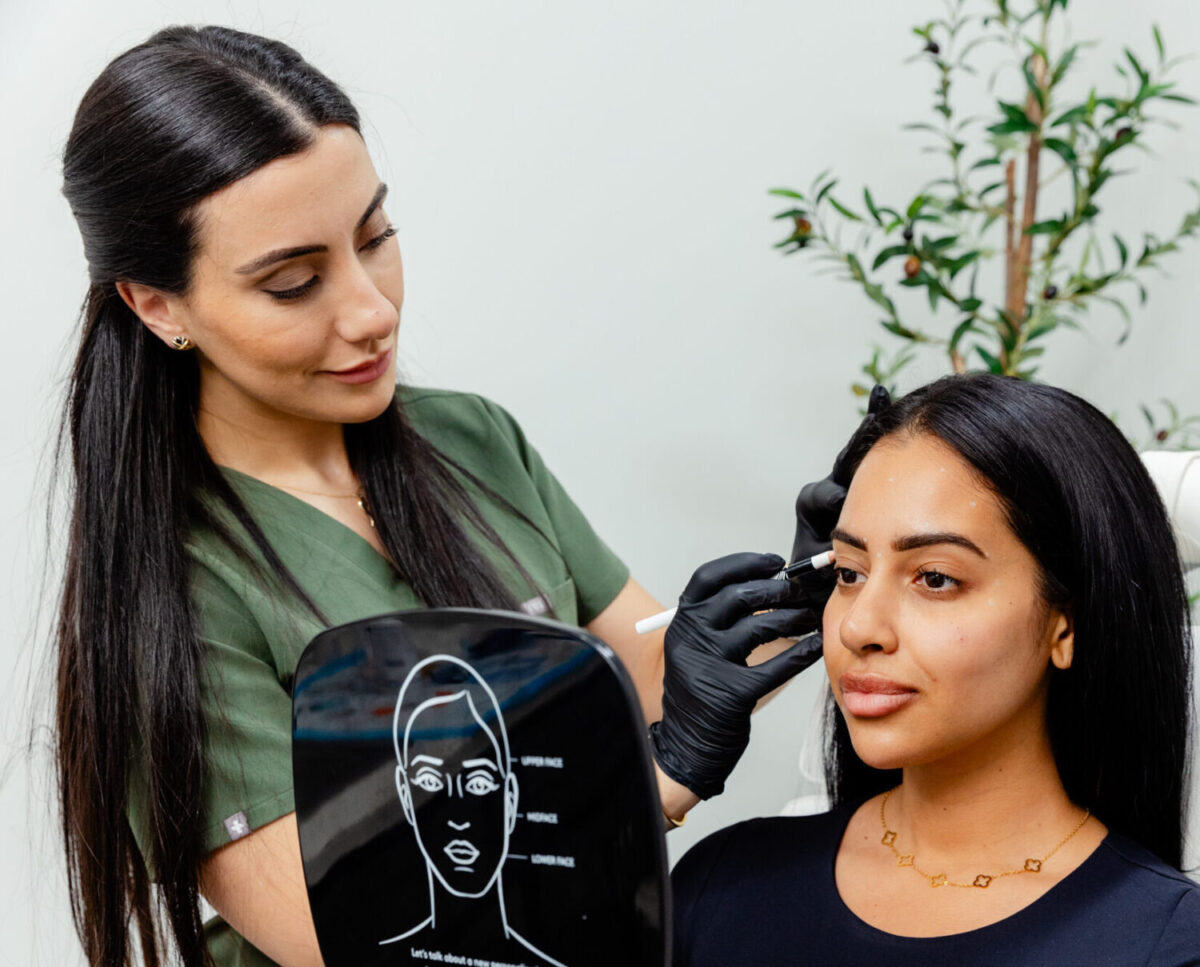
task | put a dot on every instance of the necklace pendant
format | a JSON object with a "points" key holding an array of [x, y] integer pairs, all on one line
{"points": [[905, 859], [937, 880], [889, 837], [363, 507], [981, 881], [1033, 866]]}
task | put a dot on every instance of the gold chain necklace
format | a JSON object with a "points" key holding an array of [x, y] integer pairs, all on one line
{"points": [[357, 495], [983, 879]]}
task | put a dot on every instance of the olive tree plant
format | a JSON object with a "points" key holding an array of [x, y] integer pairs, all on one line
{"points": [[991, 204]]}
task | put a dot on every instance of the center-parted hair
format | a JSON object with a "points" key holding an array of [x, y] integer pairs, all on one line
{"points": [[165, 125], [1077, 495]]}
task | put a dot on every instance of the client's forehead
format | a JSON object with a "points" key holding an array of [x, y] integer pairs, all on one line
{"points": [[912, 484]]}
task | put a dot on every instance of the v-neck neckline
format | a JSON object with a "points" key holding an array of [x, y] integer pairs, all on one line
{"points": [[323, 527]]}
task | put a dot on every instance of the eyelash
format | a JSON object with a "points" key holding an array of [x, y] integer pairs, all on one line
{"points": [[952, 584], [288, 295]]}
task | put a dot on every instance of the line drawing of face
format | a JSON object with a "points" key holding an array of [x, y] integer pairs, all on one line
{"points": [[462, 807], [938, 641], [457, 789], [454, 775]]}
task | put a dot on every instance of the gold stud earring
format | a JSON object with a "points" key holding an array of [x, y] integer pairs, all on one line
{"points": [[181, 342]]}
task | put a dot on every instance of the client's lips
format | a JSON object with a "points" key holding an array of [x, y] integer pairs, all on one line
{"points": [[462, 852], [873, 696], [366, 372]]}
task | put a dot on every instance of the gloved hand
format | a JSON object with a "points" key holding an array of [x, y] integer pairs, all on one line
{"points": [[709, 691], [817, 509]]}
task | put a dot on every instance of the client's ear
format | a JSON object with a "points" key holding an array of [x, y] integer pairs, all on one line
{"points": [[156, 309], [1062, 639]]}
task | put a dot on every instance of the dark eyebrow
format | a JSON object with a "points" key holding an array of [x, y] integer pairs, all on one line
{"points": [[283, 254], [912, 541], [837, 534], [380, 195]]}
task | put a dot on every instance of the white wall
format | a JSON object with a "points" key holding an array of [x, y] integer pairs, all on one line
{"points": [[580, 192]]}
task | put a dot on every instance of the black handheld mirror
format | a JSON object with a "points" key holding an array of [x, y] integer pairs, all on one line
{"points": [[475, 788]]}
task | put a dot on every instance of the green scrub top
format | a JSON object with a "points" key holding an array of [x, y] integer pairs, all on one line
{"points": [[254, 635]]}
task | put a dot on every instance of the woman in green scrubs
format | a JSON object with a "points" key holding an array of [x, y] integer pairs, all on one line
{"points": [[246, 473]]}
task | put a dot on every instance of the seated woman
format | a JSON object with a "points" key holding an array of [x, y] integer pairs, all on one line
{"points": [[1007, 646]]}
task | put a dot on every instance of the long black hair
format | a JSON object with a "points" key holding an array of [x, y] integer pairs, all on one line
{"points": [[1078, 497], [166, 124]]}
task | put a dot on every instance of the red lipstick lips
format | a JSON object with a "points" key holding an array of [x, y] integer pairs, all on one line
{"points": [[873, 696], [366, 372]]}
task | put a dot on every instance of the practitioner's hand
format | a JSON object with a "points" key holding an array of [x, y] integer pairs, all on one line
{"points": [[818, 507], [708, 690]]}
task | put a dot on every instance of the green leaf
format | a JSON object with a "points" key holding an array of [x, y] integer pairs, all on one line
{"points": [[937, 244], [889, 253], [1141, 73], [1014, 112], [855, 266], [823, 192], [859, 390], [1073, 116], [917, 204], [871, 206], [874, 292], [1181, 98], [970, 304], [1062, 149], [918, 280], [1120, 306], [985, 163], [843, 210], [992, 187], [954, 266], [1041, 329], [786, 193], [1064, 62], [898, 330], [1124, 252], [1012, 127], [1049, 227], [992, 363], [1158, 43], [964, 327]]}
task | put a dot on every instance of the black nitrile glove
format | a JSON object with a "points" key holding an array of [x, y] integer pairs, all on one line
{"points": [[708, 690], [817, 509]]}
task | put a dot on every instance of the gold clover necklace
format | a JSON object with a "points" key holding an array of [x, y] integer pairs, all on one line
{"points": [[983, 879]]}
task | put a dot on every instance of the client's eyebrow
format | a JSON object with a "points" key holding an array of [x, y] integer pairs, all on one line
{"points": [[425, 758], [912, 541], [472, 763], [283, 254]]}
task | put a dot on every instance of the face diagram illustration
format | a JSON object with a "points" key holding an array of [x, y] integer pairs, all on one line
{"points": [[458, 792]]}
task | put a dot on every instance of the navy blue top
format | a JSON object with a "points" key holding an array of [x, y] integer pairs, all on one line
{"points": [[762, 893]]}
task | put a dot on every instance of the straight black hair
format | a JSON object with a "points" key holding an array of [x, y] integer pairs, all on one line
{"points": [[166, 124], [1078, 497]]}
